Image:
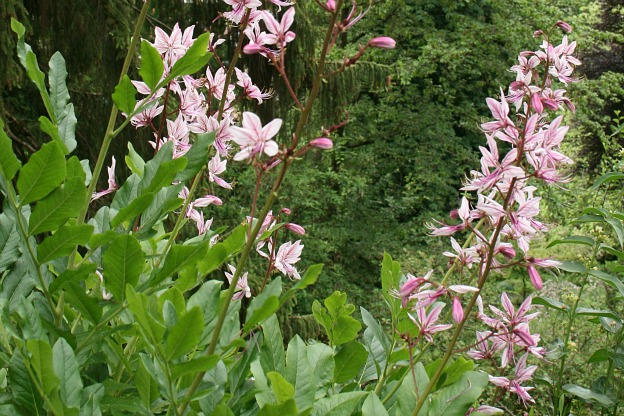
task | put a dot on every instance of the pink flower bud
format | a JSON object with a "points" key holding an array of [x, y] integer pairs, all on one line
{"points": [[458, 311], [382, 42], [537, 33], [286, 211], [536, 102], [550, 104], [253, 48], [295, 228], [322, 143], [564, 26], [536, 279], [330, 5]]}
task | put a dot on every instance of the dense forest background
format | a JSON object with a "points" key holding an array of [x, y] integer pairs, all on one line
{"points": [[414, 113]]}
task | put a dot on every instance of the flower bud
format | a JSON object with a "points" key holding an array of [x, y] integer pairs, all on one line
{"points": [[564, 26], [253, 48], [286, 211], [550, 104], [382, 42], [322, 143], [536, 279], [331, 5], [538, 33], [536, 102], [458, 311], [295, 228]]}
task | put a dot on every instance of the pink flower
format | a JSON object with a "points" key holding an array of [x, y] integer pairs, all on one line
{"points": [[242, 287], [238, 9], [522, 374], [426, 322], [112, 185], [253, 138], [216, 166], [280, 35], [287, 255], [322, 143], [383, 42]]}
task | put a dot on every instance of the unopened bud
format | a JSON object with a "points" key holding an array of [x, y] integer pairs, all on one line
{"points": [[564, 26], [382, 42], [330, 5], [322, 143], [538, 33], [458, 311], [295, 228], [550, 104], [535, 277], [253, 48], [536, 102], [285, 211]]}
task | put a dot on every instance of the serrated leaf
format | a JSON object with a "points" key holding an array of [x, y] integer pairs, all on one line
{"points": [[124, 95], [194, 366], [63, 242], [152, 66], [456, 399], [573, 240], [185, 334], [67, 370], [349, 360], [195, 58], [197, 156], [123, 263], [62, 204], [9, 164], [44, 171]]}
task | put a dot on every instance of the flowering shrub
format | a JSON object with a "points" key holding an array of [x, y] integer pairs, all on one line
{"points": [[114, 315]]}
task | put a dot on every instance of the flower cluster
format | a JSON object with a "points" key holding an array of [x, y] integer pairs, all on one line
{"points": [[502, 216]]}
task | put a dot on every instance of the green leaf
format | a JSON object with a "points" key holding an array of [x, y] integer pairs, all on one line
{"points": [[134, 161], [23, 388], [609, 177], [616, 224], [197, 156], [272, 349], [550, 303], [610, 280], [321, 358], [573, 267], [41, 361], [195, 58], [281, 388], [62, 204], [346, 330], [180, 257], [152, 66], [9, 243], [44, 171], [309, 277], [72, 276], [136, 207], [76, 297], [263, 312], [236, 240], [588, 395], [573, 240], [599, 356], [75, 169], [146, 385], [35, 74], [378, 332], [59, 95], [194, 366], [123, 263], [49, 128], [63, 242], [300, 374], [596, 312], [185, 334], [9, 164], [456, 399], [67, 128], [453, 372], [68, 372], [163, 176], [124, 95], [341, 404], [287, 408], [373, 407], [139, 306], [213, 260], [350, 360]]}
